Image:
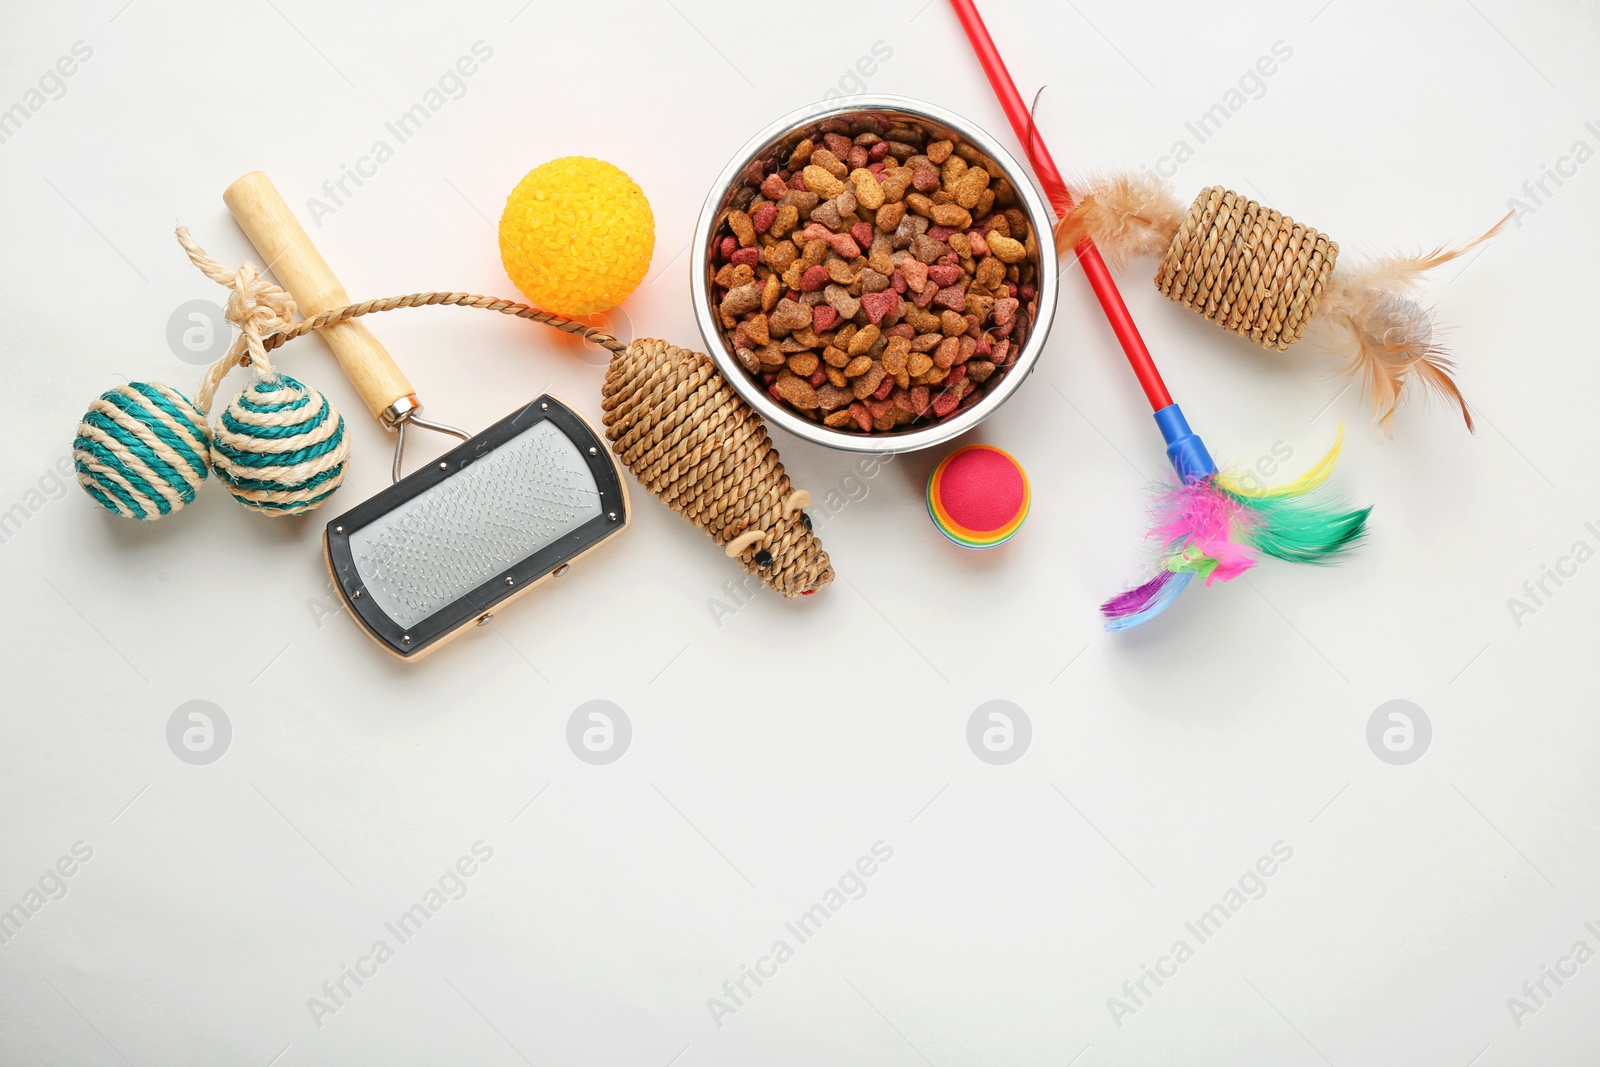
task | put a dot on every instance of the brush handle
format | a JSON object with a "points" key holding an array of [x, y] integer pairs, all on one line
{"points": [[1094, 267], [286, 250]]}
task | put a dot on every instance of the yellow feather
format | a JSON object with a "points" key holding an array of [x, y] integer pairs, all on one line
{"points": [[1308, 481]]}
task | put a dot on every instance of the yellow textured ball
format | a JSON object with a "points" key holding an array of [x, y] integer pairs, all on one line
{"points": [[576, 236]]}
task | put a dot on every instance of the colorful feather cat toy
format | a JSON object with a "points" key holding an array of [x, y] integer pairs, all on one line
{"points": [[1210, 524]]}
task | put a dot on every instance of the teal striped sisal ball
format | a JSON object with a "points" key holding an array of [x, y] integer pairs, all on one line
{"points": [[142, 450], [280, 447]]}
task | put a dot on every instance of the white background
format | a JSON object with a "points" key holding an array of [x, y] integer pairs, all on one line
{"points": [[770, 752]]}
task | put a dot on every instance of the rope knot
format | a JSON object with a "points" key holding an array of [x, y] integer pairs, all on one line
{"points": [[258, 307]]}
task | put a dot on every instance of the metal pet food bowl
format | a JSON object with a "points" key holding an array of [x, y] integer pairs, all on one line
{"points": [[732, 190]]}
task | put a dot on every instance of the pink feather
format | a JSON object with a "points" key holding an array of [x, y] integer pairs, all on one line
{"points": [[1199, 519]]}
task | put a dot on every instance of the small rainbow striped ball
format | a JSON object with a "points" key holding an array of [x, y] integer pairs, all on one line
{"points": [[978, 496], [142, 451], [280, 447]]}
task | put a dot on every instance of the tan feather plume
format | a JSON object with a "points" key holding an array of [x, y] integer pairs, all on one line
{"points": [[1368, 316], [1127, 215]]}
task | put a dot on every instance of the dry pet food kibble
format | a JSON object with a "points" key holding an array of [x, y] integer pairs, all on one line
{"points": [[877, 277]]}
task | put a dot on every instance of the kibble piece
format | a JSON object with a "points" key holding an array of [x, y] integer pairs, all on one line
{"points": [[858, 366], [827, 213], [755, 327], [864, 339], [741, 300], [1007, 249], [970, 187], [867, 384], [733, 275], [951, 215], [922, 321], [872, 281], [796, 391], [880, 305], [787, 219], [830, 397], [979, 304], [779, 255], [841, 301], [803, 363], [742, 227], [991, 272], [918, 363], [951, 172], [926, 248], [819, 181], [869, 192], [789, 315], [824, 158]]}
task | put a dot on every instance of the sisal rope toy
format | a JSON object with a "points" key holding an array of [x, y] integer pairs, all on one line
{"points": [[1262, 275], [670, 416], [142, 450]]}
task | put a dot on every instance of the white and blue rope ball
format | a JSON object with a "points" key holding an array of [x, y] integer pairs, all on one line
{"points": [[280, 447], [142, 450]]}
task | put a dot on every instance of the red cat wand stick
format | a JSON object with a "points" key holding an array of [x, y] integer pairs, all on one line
{"points": [[1210, 524], [1094, 267]]}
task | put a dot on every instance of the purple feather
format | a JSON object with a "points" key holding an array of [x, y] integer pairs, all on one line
{"points": [[1136, 606], [1136, 600]]}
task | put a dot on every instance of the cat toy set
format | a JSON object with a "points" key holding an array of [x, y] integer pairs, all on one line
{"points": [[508, 508], [877, 275]]}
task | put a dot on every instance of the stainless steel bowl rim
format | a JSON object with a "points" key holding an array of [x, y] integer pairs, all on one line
{"points": [[751, 390]]}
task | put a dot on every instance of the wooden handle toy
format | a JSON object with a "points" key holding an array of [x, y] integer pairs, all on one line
{"points": [[288, 253]]}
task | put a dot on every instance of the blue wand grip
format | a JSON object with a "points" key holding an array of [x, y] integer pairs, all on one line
{"points": [[1185, 451]]}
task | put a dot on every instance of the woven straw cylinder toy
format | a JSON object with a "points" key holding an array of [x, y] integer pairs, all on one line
{"points": [[1260, 274], [1246, 267], [683, 431]]}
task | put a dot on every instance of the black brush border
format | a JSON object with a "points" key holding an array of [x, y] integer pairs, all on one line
{"points": [[409, 641]]}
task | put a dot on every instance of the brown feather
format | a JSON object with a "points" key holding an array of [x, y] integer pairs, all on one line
{"points": [[1388, 336], [1126, 215]]}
